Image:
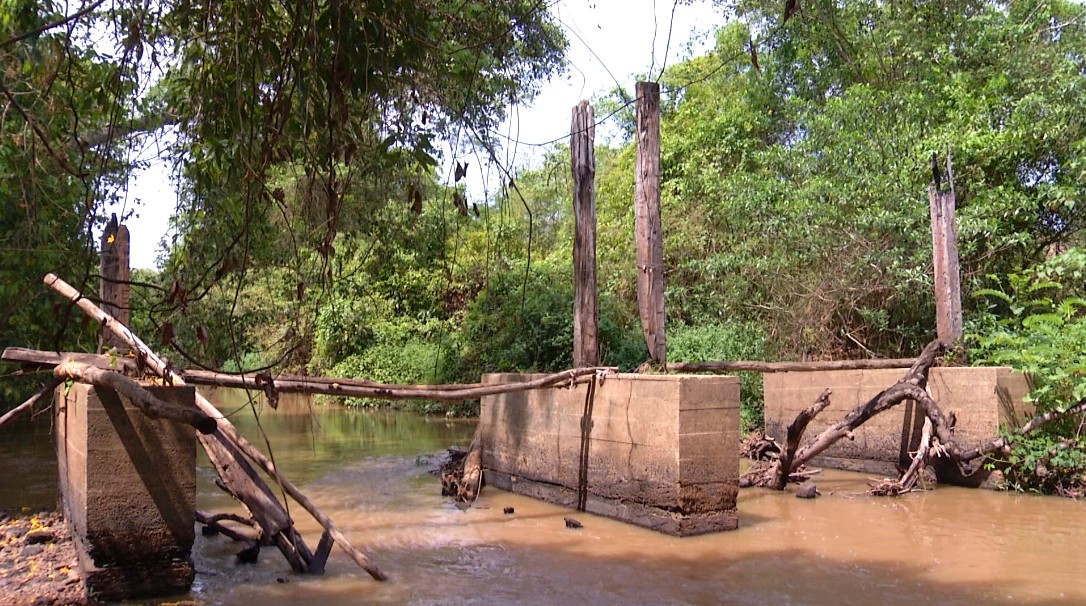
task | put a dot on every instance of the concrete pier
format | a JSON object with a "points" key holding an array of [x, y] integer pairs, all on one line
{"points": [[659, 451], [128, 490]]}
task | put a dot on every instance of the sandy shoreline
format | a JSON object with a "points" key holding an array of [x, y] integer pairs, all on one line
{"points": [[38, 565]]}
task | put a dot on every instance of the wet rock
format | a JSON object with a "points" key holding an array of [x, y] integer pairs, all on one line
{"points": [[249, 554], [40, 536], [807, 490], [571, 523]]}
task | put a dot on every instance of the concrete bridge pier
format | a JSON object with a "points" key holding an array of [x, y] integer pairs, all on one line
{"points": [[128, 490]]}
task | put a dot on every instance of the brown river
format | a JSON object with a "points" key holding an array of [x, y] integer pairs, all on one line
{"points": [[371, 472]]}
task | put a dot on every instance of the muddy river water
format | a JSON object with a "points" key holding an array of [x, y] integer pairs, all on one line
{"points": [[370, 471]]}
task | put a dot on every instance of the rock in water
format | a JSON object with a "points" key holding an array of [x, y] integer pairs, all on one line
{"points": [[249, 554], [571, 523], [508, 511], [807, 490]]}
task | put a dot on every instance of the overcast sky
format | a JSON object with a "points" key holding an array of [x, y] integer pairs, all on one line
{"points": [[609, 41]]}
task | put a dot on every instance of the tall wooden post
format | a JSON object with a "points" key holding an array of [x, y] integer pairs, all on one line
{"points": [[944, 235], [586, 297], [115, 275], [650, 238]]}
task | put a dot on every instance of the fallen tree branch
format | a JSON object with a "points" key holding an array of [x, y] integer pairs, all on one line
{"points": [[1002, 445], [137, 395], [912, 386], [31, 401], [214, 522], [226, 432], [920, 459]]}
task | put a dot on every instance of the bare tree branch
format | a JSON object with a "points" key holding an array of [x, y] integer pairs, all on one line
{"points": [[55, 24]]}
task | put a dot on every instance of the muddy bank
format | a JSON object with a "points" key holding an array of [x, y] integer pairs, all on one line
{"points": [[38, 564]]}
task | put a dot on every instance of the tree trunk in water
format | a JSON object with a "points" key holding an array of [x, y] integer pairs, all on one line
{"points": [[795, 434]]}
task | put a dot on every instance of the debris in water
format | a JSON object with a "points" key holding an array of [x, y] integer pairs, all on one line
{"points": [[571, 523], [249, 554], [808, 490], [508, 511]]}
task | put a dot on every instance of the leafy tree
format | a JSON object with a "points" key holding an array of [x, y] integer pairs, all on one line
{"points": [[60, 167], [796, 188]]}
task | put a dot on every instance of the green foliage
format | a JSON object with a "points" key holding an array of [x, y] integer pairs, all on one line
{"points": [[726, 341], [795, 194], [1047, 463], [55, 188], [1035, 322]]}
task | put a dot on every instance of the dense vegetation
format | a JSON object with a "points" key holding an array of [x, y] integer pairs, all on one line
{"points": [[316, 233]]}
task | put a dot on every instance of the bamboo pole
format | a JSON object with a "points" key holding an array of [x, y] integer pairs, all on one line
{"points": [[316, 385], [332, 388], [225, 429], [31, 401]]}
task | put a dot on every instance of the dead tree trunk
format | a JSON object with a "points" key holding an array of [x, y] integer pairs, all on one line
{"points": [[944, 233], [795, 434], [911, 386], [585, 295], [937, 439], [650, 238]]}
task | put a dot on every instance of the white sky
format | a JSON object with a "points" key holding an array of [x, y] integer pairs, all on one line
{"points": [[609, 40]]}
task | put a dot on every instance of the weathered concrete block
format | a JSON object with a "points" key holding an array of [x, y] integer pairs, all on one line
{"points": [[658, 451], [983, 399], [128, 489]]}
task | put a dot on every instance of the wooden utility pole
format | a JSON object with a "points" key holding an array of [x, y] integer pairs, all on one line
{"points": [[115, 275], [944, 235], [650, 237], [586, 296]]}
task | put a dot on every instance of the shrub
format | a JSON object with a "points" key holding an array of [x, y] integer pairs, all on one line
{"points": [[1035, 323], [726, 341]]}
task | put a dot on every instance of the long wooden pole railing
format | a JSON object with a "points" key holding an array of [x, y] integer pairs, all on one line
{"points": [[315, 385]]}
